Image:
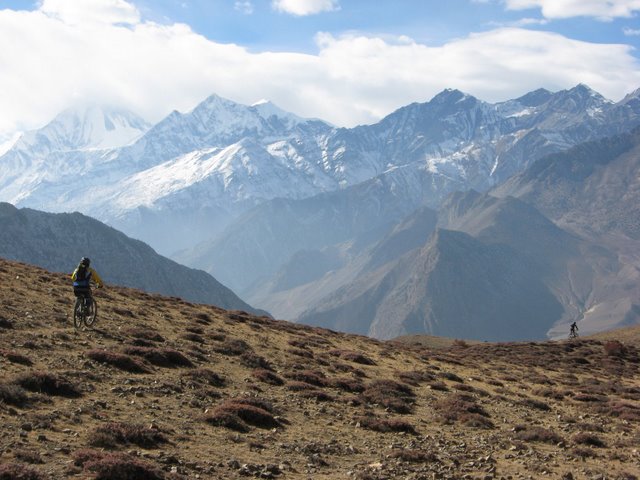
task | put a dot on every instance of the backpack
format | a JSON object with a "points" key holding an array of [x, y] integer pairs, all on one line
{"points": [[83, 275]]}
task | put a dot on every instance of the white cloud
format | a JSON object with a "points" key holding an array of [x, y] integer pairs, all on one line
{"points": [[153, 69], [305, 7], [601, 9], [91, 11], [244, 6], [631, 32]]}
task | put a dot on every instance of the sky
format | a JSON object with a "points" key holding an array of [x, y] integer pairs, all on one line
{"points": [[347, 62]]}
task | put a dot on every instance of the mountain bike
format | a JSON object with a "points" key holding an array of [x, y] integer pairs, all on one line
{"points": [[573, 334], [85, 311]]}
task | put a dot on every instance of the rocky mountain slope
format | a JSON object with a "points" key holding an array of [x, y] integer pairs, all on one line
{"points": [[58, 241], [585, 264], [166, 389]]}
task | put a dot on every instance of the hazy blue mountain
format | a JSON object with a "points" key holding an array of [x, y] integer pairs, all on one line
{"points": [[58, 241]]}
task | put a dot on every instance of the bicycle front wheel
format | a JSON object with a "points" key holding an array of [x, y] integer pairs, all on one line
{"points": [[78, 314], [92, 313]]}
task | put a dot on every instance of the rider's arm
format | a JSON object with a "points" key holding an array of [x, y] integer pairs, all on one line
{"points": [[96, 278]]}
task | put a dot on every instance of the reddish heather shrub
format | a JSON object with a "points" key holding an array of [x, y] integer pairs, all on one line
{"points": [[355, 357], [300, 352], [145, 334], [450, 376], [582, 453], [414, 456], [475, 420], [19, 471], [253, 360], [460, 407], [12, 394], [351, 385], [113, 434], [415, 377], [14, 357], [533, 433], [118, 360], [233, 346], [48, 384], [395, 396], [614, 348], [267, 376], [584, 438], [308, 376], [316, 394], [386, 425], [204, 375], [120, 466], [193, 337], [533, 403], [28, 456], [236, 415], [623, 410], [161, 357]]}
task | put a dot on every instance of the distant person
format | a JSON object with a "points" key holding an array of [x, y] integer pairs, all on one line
{"points": [[574, 330], [82, 278]]}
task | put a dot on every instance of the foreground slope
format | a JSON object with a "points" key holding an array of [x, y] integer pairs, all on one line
{"points": [[58, 241], [162, 388]]}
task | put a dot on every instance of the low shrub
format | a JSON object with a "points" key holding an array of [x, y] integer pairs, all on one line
{"points": [[118, 360], [355, 357], [415, 377], [350, 385], [450, 376], [390, 394], [14, 357], [536, 404], [144, 333], [236, 414], [28, 456], [386, 425], [6, 324], [266, 376], [19, 471], [12, 394], [193, 337], [253, 360], [590, 439], [206, 376], [161, 357], [311, 377], [462, 408], [414, 456], [533, 433], [233, 347], [116, 466], [47, 383], [614, 348], [113, 434]]}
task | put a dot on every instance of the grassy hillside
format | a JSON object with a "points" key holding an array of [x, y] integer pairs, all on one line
{"points": [[162, 388]]}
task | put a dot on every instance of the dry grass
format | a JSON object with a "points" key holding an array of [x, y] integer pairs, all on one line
{"points": [[351, 404]]}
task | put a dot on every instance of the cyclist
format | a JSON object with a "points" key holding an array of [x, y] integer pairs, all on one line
{"points": [[574, 330], [82, 276]]}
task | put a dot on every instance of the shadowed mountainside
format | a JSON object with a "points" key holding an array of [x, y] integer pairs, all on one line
{"points": [[166, 389], [58, 241]]}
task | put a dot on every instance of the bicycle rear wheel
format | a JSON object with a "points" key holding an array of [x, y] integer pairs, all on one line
{"points": [[78, 313], [91, 312]]}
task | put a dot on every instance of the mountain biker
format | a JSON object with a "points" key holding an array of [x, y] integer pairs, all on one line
{"points": [[574, 330], [82, 276]]}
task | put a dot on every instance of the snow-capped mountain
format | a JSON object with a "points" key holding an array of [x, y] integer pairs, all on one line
{"points": [[198, 171]]}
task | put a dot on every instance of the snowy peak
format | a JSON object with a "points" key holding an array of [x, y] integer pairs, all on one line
{"points": [[84, 128], [535, 98]]}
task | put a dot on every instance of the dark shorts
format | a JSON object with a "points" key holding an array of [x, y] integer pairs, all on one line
{"points": [[82, 291]]}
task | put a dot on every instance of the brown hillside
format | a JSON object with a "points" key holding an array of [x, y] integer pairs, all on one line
{"points": [[162, 388]]}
